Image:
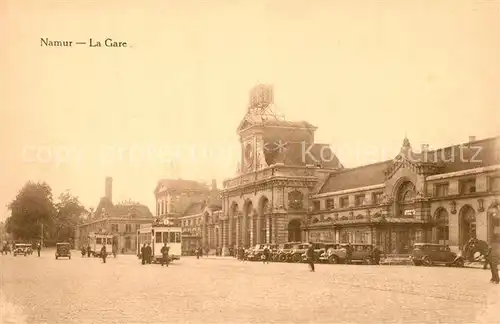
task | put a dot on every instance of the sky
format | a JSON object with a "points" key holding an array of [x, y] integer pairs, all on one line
{"points": [[366, 73]]}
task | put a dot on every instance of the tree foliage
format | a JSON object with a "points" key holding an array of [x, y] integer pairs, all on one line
{"points": [[69, 211], [32, 207]]}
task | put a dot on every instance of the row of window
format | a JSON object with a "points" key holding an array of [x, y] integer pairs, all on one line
{"points": [[467, 186], [128, 228], [359, 200], [191, 222]]}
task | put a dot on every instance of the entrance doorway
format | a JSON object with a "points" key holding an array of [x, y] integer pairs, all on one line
{"points": [[467, 224], [294, 233]]}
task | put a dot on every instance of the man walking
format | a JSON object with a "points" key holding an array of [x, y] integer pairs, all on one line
{"points": [[310, 256], [348, 253], [164, 254], [493, 259], [143, 254], [88, 251], [266, 253], [38, 248], [149, 253], [104, 253]]}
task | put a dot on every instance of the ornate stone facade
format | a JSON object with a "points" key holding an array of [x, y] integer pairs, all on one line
{"points": [[288, 189]]}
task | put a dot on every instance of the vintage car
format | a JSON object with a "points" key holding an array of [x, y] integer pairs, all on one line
{"points": [[319, 249], [63, 250], [428, 254], [255, 253], [361, 253], [295, 255], [22, 249], [282, 254]]}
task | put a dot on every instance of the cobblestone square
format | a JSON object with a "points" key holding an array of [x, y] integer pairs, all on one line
{"points": [[224, 290]]}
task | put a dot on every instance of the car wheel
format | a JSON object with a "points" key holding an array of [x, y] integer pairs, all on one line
{"points": [[333, 259], [459, 263], [297, 258], [56, 257], [417, 263], [426, 261]]}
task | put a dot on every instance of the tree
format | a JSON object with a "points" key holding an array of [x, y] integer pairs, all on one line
{"points": [[31, 210], [68, 215]]}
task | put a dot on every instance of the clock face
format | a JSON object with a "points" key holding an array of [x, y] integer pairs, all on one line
{"points": [[248, 153]]}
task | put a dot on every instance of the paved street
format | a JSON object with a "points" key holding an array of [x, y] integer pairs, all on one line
{"points": [[43, 290]]}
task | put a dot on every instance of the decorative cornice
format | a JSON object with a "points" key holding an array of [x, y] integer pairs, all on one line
{"points": [[347, 191], [463, 173]]}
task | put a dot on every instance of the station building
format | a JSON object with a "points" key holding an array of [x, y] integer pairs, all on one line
{"points": [[287, 189]]}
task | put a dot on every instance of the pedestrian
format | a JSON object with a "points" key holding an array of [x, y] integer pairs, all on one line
{"points": [[83, 251], [149, 253], [164, 254], [266, 254], [493, 259], [197, 252], [310, 256], [104, 253], [89, 251], [38, 248], [143, 254], [348, 253], [376, 255]]}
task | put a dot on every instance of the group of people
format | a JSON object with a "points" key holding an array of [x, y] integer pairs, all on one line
{"points": [[103, 253], [147, 254]]}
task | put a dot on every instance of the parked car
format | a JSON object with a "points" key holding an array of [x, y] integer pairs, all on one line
{"points": [[22, 249], [361, 253], [63, 250], [319, 249], [283, 252], [332, 254], [428, 254], [295, 255]]}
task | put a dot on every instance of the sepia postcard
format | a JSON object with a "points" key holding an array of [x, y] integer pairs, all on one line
{"points": [[238, 161]]}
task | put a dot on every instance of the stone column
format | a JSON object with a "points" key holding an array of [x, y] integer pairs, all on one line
{"points": [[251, 220], [229, 231], [225, 237], [238, 231], [258, 228], [274, 231], [268, 230]]}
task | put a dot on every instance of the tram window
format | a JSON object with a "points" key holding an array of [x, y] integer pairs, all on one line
{"points": [[172, 237], [109, 241], [158, 237], [98, 240], [165, 237], [177, 237]]}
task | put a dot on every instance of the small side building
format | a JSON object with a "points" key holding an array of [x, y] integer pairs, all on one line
{"points": [[122, 220]]}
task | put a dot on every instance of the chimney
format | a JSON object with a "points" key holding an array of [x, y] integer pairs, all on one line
{"points": [[108, 189], [472, 139]]}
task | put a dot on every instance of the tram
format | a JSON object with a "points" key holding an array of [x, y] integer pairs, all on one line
{"points": [[157, 235], [97, 240]]}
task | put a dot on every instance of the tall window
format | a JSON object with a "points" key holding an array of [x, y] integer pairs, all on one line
{"points": [[330, 203], [377, 198], [467, 186], [442, 226], [344, 202], [128, 228], [359, 199], [495, 184], [406, 194], [441, 190], [114, 228], [316, 205]]}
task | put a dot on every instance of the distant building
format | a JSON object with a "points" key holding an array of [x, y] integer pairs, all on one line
{"points": [[191, 205], [122, 220]]}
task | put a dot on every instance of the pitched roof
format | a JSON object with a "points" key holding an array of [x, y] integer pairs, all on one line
{"points": [[454, 158], [252, 119], [293, 153], [466, 156], [195, 208], [362, 176], [181, 185]]}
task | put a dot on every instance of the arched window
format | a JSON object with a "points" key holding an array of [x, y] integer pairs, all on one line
{"points": [[442, 226], [406, 195]]}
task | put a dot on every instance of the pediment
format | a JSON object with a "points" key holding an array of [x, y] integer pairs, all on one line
{"points": [[417, 167], [244, 124]]}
